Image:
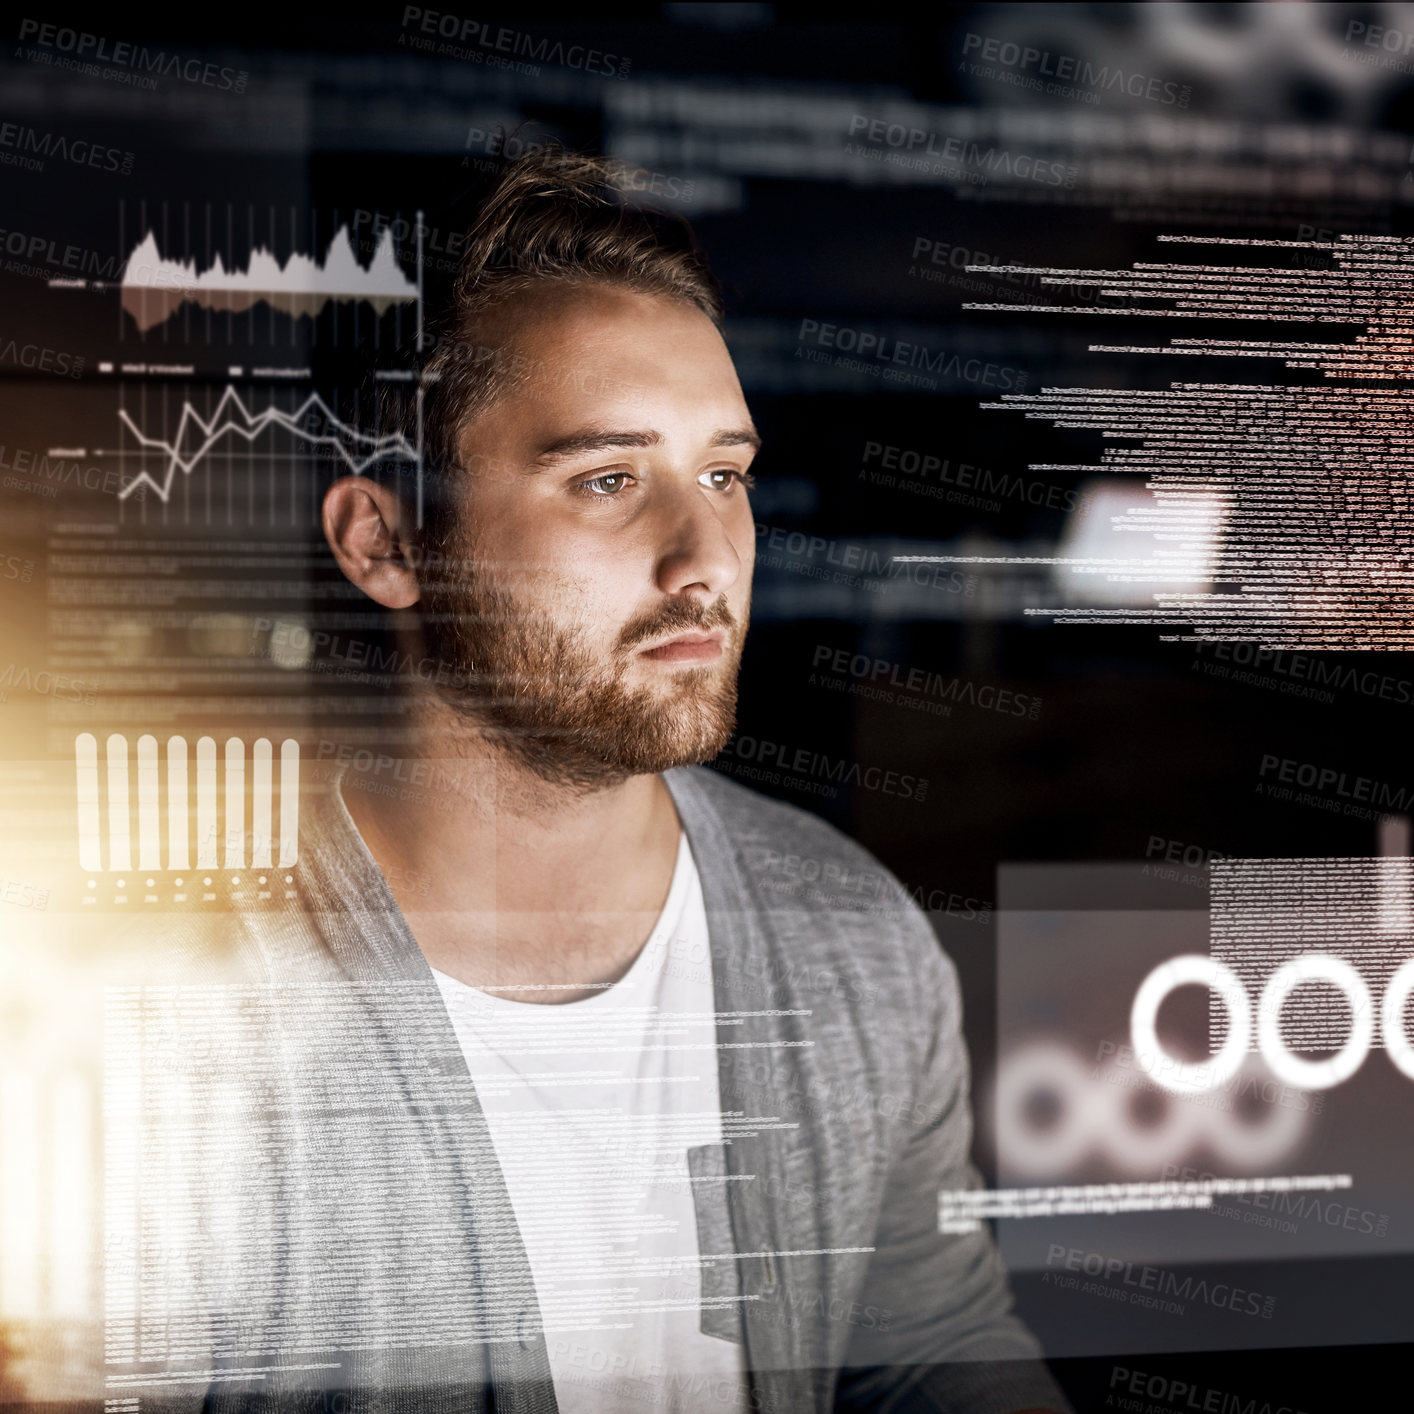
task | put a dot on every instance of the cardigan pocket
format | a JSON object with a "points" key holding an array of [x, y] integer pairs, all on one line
{"points": [[720, 1278]]}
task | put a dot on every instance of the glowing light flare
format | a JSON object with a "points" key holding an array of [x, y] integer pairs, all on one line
{"points": [[71, 1184], [19, 1196]]}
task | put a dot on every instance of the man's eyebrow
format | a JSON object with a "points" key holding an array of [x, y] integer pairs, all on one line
{"points": [[738, 437], [603, 440], [592, 439]]}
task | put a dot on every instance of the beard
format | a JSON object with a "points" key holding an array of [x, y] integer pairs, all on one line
{"points": [[564, 710]]}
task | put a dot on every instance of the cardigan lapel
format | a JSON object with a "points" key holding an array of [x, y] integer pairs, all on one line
{"points": [[372, 944], [754, 1049]]}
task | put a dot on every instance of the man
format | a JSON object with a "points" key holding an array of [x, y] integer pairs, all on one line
{"points": [[575, 1104]]}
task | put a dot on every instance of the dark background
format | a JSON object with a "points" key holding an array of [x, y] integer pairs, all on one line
{"points": [[1131, 742]]}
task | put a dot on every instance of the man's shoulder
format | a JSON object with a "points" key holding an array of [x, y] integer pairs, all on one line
{"points": [[843, 899]]}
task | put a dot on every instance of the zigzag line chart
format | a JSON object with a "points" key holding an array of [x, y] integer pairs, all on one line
{"points": [[236, 420]]}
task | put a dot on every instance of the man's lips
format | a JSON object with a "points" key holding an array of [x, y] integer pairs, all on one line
{"points": [[687, 648]]}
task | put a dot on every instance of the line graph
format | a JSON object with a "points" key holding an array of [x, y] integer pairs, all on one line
{"points": [[211, 438], [197, 436], [154, 287]]}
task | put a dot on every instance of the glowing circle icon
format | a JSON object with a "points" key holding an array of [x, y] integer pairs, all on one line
{"points": [[1315, 1075], [1053, 1070], [1182, 1077]]}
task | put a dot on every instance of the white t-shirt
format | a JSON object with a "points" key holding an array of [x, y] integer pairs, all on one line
{"points": [[592, 1106]]}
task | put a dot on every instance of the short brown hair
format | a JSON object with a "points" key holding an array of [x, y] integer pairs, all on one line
{"points": [[554, 215]]}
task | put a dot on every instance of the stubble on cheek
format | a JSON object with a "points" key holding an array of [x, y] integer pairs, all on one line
{"points": [[563, 696]]}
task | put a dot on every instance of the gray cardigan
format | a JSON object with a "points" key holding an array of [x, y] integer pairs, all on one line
{"points": [[350, 1243]]}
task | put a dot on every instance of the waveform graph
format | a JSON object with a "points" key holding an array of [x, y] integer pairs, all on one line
{"points": [[251, 454], [155, 288], [206, 274]]}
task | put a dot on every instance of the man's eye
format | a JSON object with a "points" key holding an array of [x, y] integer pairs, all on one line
{"points": [[724, 478], [610, 484]]}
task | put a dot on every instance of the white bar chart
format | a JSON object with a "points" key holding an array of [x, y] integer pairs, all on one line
{"points": [[214, 820]]}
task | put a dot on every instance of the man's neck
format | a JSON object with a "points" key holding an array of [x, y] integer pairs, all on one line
{"points": [[508, 881]]}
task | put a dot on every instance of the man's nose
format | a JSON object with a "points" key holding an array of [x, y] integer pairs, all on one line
{"points": [[696, 552]]}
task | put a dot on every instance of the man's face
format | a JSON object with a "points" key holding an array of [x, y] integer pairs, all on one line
{"points": [[598, 579]]}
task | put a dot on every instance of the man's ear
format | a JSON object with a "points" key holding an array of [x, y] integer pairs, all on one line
{"points": [[363, 523]]}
